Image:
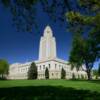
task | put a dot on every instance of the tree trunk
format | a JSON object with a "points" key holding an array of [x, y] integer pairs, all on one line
{"points": [[89, 74], [88, 70], [1, 76]]}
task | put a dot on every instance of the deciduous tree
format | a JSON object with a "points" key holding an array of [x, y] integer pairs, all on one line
{"points": [[86, 22], [99, 70], [4, 67], [24, 12]]}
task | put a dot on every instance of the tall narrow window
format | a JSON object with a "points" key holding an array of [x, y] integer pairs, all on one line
{"points": [[52, 74], [62, 66], [59, 66], [43, 66], [55, 66], [49, 66], [40, 67]]}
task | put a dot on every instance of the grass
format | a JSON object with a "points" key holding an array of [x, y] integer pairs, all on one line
{"points": [[49, 90]]}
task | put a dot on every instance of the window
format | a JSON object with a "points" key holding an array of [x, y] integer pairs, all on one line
{"points": [[62, 66], [55, 66], [59, 66], [56, 74], [52, 74], [49, 66], [43, 66], [48, 31], [40, 67]]}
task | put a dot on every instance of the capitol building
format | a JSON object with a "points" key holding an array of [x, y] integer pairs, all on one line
{"points": [[47, 59]]}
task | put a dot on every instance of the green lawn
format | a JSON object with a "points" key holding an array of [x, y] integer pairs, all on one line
{"points": [[49, 90]]}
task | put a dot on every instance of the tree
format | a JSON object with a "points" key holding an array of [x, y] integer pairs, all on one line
{"points": [[83, 17], [88, 49], [24, 12], [63, 73], [95, 73], [75, 60], [99, 70], [82, 53], [47, 73], [4, 67], [32, 72], [73, 76]]}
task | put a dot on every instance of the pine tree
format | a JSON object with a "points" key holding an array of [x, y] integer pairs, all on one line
{"points": [[32, 72], [63, 74], [47, 73]]}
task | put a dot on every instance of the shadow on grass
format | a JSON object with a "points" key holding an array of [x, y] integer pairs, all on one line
{"points": [[46, 93], [90, 81], [95, 81]]}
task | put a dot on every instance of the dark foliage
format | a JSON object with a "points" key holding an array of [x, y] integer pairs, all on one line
{"points": [[86, 48], [24, 11], [99, 70], [4, 67], [47, 73], [95, 72], [46, 93], [32, 72], [63, 74], [73, 77]]}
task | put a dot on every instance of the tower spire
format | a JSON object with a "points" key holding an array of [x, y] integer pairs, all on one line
{"points": [[47, 45], [48, 31]]}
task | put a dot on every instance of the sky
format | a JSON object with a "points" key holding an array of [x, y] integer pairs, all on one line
{"points": [[23, 46]]}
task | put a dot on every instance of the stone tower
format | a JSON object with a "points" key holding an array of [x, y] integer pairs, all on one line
{"points": [[47, 49]]}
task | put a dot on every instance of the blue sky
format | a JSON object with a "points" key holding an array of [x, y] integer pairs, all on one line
{"points": [[23, 46]]}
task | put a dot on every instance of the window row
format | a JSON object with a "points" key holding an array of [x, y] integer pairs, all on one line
{"points": [[49, 66], [23, 70]]}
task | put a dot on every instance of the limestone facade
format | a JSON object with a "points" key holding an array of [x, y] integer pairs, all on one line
{"points": [[47, 58]]}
